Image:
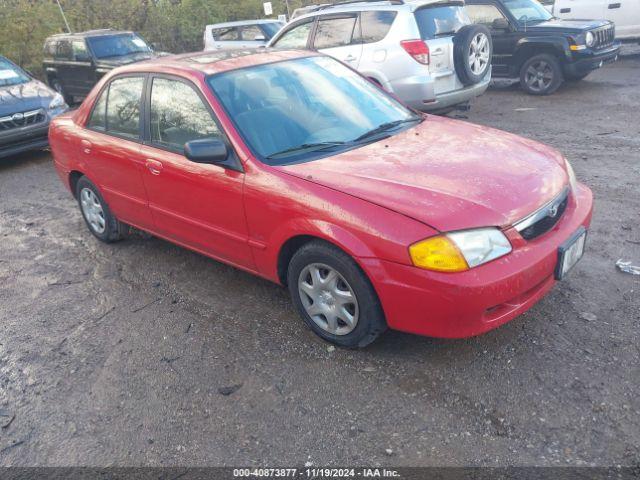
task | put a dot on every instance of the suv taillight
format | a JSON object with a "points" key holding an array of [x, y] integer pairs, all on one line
{"points": [[418, 49]]}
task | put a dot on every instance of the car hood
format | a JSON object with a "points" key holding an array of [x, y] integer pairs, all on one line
{"points": [[24, 97], [113, 62], [567, 26], [448, 174]]}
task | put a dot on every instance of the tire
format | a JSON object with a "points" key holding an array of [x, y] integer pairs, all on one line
{"points": [[541, 75], [96, 213], [472, 42], [334, 298], [57, 86]]}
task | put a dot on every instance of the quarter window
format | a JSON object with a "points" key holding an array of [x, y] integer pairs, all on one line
{"points": [[376, 25], [335, 32], [98, 118], [483, 14], [296, 37], [178, 115]]}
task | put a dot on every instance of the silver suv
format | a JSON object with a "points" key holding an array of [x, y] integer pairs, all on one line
{"points": [[426, 52]]}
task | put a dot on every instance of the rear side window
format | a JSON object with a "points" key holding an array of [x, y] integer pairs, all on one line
{"points": [[441, 21], [251, 32], [117, 110], [296, 37], [178, 115], [80, 53], [376, 25], [63, 50], [335, 32], [227, 34]]}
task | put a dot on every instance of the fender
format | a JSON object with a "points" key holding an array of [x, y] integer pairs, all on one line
{"points": [[559, 45], [379, 77]]}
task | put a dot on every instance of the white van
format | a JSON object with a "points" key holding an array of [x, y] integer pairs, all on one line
{"points": [[624, 13], [242, 34]]}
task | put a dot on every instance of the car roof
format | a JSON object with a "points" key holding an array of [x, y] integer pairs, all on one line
{"points": [[363, 5], [89, 33], [214, 62], [240, 23]]}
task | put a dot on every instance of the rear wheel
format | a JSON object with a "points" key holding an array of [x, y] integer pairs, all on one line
{"points": [[96, 213], [334, 297], [541, 75]]}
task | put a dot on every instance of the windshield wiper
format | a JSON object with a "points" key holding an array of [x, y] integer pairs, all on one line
{"points": [[317, 146], [385, 127]]}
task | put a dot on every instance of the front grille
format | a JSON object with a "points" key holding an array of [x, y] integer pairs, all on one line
{"points": [[22, 119], [605, 37], [545, 218]]}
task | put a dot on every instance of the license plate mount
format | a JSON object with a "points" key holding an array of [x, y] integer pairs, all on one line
{"points": [[570, 253]]}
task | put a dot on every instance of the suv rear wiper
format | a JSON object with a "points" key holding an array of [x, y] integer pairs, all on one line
{"points": [[384, 127], [305, 146]]}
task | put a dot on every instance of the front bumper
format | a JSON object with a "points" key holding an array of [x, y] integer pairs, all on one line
{"points": [[419, 93], [31, 137], [459, 305], [585, 61]]}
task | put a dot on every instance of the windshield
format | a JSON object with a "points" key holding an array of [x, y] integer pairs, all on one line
{"points": [[117, 45], [272, 28], [527, 11], [297, 110], [10, 74]]}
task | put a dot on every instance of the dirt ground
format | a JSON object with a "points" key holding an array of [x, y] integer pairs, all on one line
{"points": [[143, 353]]}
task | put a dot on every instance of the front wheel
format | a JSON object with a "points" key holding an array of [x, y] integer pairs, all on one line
{"points": [[541, 75], [96, 213], [334, 297]]}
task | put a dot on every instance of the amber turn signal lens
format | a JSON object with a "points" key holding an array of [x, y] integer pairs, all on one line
{"points": [[439, 254]]}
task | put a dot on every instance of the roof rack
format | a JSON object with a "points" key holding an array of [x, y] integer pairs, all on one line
{"points": [[349, 2]]}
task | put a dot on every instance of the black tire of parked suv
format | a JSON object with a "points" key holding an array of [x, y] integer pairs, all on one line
{"points": [[371, 321], [57, 86], [541, 74], [114, 229], [462, 46]]}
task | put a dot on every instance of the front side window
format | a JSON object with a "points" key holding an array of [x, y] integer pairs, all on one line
{"points": [[335, 32], [527, 11], [484, 14], [11, 74], [442, 21], [297, 37], [251, 33], [108, 46], [80, 53], [178, 115], [226, 34], [123, 106], [296, 110], [376, 24]]}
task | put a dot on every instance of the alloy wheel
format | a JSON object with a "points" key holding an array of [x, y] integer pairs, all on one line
{"points": [[93, 211], [328, 299], [479, 53], [539, 76]]}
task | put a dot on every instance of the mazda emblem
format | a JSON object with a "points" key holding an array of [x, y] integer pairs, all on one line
{"points": [[553, 211], [17, 117]]}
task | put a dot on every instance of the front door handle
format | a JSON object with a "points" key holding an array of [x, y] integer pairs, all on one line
{"points": [[565, 10], [614, 5], [350, 58], [86, 147], [154, 166]]}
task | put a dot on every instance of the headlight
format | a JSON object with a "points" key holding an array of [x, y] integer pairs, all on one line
{"points": [[459, 251], [590, 39], [57, 102], [572, 175]]}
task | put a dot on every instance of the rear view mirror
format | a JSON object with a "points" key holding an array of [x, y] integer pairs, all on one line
{"points": [[500, 24], [206, 150]]}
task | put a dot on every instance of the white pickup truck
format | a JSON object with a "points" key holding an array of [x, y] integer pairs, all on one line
{"points": [[624, 13]]}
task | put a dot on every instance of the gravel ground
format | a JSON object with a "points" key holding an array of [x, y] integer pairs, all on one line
{"points": [[143, 353]]}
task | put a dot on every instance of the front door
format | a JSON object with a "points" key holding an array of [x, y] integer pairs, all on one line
{"points": [[110, 147], [502, 34], [197, 205]]}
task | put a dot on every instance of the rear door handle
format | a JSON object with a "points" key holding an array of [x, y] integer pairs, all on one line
{"points": [[154, 166], [614, 5], [86, 146]]}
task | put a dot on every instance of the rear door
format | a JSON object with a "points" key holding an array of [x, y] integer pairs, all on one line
{"points": [[339, 36], [438, 25], [503, 39], [64, 66], [82, 69]]}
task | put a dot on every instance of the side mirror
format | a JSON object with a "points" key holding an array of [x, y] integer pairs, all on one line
{"points": [[500, 24], [206, 150]]}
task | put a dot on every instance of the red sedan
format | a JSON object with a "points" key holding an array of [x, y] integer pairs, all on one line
{"points": [[293, 167]]}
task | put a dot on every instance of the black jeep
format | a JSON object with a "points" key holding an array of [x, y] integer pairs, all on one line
{"points": [[74, 62], [543, 51]]}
